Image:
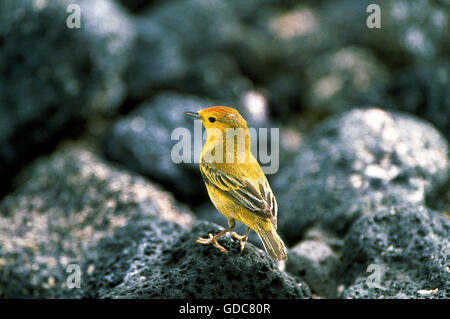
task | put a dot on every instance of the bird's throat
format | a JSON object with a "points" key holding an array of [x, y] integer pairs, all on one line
{"points": [[230, 147]]}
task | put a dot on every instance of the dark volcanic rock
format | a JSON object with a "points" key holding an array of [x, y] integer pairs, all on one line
{"points": [[216, 76], [355, 164], [343, 78], [173, 40], [169, 264], [70, 201], [409, 244], [199, 26], [53, 77], [317, 264], [156, 60], [198, 47], [300, 37], [424, 91], [418, 29], [411, 31]]}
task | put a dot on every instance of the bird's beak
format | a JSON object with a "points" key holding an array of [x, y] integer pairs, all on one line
{"points": [[194, 114]]}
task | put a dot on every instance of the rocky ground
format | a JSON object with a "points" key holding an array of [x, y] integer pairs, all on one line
{"points": [[86, 122]]}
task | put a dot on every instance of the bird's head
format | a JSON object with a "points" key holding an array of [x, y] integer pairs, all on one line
{"points": [[220, 117]]}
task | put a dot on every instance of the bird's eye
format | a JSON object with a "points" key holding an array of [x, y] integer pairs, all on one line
{"points": [[212, 119]]}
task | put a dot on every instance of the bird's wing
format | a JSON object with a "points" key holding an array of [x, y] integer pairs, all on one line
{"points": [[255, 196]]}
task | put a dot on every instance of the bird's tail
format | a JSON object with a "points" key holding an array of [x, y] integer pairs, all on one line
{"points": [[272, 243]]}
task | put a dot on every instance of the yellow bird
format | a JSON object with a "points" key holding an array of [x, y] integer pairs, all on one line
{"points": [[235, 182]]}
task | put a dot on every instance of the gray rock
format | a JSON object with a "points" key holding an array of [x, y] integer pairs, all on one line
{"points": [[317, 264], [409, 245], [198, 26], [171, 265], [423, 90], [198, 47], [411, 31], [207, 27], [119, 259], [342, 78], [156, 60], [417, 29], [300, 35], [159, 61], [67, 203], [54, 77], [355, 164], [334, 242], [218, 77]]}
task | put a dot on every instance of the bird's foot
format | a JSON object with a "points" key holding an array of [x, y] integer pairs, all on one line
{"points": [[212, 240], [242, 239]]}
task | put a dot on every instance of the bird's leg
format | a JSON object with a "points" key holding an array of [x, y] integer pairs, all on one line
{"points": [[212, 240], [242, 239]]}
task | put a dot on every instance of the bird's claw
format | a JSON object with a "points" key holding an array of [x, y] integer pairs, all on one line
{"points": [[211, 241], [242, 239]]}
